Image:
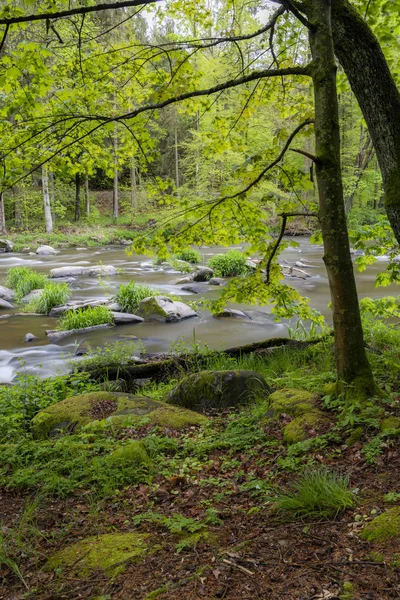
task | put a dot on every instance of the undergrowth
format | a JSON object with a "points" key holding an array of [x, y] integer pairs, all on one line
{"points": [[23, 280], [54, 294], [85, 317], [230, 264]]}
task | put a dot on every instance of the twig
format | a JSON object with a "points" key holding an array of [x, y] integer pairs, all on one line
{"points": [[233, 564], [307, 154]]}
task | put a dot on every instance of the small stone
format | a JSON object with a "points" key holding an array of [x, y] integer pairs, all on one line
{"points": [[216, 281], [6, 245], [5, 304], [125, 318], [30, 337], [46, 251], [203, 274]]}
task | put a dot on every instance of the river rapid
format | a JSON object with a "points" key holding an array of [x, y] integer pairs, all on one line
{"points": [[44, 359]]}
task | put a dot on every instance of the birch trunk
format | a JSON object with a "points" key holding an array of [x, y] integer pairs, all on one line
{"points": [[3, 228], [87, 195], [53, 197], [134, 199], [46, 201]]}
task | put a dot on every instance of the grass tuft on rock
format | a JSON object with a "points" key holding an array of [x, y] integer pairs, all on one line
{"points": [[230, 264], [85, 317], [318, 493], [129, 296], [54, 294], [23, 280], [189, 255]]}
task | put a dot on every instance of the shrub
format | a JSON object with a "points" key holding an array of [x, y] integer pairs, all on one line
{"points": [[318, 493], [53, 294], [129, 296], [23, 280], [85, 317], [190, 256], [229, 264]]}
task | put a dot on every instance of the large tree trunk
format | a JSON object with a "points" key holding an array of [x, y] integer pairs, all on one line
{"points": [[353, 370], [46, 200], [363, 61]]}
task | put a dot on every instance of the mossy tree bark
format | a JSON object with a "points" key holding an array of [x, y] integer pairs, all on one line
{"points": [[370, 78], [353, 370]]}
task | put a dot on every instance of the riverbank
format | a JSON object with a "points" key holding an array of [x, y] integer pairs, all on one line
{"points": [[163, 503]]}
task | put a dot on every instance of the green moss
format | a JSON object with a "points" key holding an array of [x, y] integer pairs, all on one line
{"points": [[292, 402], [355, 435], [133, 455], [384, 527], [78, 411], [348, 591], [150, 309], [390, 423], [395, 562], [190, 542], [109, 552], [298, 429], [375, 557]]}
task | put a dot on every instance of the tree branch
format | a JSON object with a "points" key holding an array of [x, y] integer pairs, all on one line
{"points": [[307, 154], [82, 10]]}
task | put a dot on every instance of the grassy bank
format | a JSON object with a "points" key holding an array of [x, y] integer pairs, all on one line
{"points": [[224, 508]]}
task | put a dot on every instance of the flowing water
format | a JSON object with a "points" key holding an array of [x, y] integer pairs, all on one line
{"points": [[40, 357]]}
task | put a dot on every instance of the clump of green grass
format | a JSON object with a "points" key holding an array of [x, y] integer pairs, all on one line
{"points": [[190, 256], [23, 280], [53, 295], [318, 493], [85, 317], [129, 296], [230, 264], [118, 353]]}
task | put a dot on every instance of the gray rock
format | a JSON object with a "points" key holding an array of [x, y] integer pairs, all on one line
{"points": [[75, 304], [251, 264], [56, 336], [101, 271], [114, 306], [30, 337], [6, 245], [82, 349], [216, 281], [4, 316], [232, 313], [164, 309], [29, 297], [5, 304], [196, 289], [6, 293], [187, 279], [125, 318], [218, 389], [203, 274], [46, 251]]}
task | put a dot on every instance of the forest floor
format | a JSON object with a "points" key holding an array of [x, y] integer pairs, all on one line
{"points": [[209, 506]]}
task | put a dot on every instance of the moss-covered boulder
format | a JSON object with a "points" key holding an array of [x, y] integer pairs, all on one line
{"points": [[302, 407], [390, 423], [383, 527], [163, 308], [108, 553], [133, 454], [218, 389], [75, 412]]}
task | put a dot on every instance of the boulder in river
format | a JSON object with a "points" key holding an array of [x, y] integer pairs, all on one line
{"points": [[196, 289], [92, 271], [30, 337], [218, 389], [75, 412], [46, 251], [216, 281], [31, 296], [162, 308], [232, 313], [6, 245], [125, 318], [203, 274], [5, 304], [75, 304], [186, 279], [55, 336], [6, 293]]}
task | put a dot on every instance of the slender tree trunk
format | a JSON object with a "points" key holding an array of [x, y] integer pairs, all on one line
{"points": [[115, 186], [87, 195], [353, 370], [134, 200], [77, 197], [17, 208], [176, 154], [53, 197], [369, 75], [46, 201], [3, 228]]}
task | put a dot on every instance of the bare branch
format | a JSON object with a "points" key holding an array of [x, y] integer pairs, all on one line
{"points": [[307, 154], [3, 40]]}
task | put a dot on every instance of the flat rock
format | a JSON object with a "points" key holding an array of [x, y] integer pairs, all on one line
{"points": [[92, 271], [164, 309], [187, 279], [125, 318], [6, 293], [203, 274], [114, 306], [232, 313], [75, 304], [5, 304], [55, 336], [218, 389], [29, 297], [46, 251], [196, 289], [216, 281], [6, 245]]}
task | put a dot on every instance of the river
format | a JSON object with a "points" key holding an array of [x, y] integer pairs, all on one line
{"points": [[44, 359]]}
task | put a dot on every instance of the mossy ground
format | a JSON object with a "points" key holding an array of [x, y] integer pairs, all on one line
{"points": [[202, 492]]}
